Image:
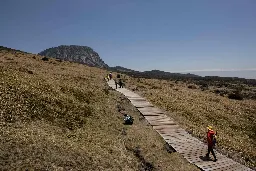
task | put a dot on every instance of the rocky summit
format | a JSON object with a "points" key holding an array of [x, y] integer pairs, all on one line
{"points": [[80, 54]]}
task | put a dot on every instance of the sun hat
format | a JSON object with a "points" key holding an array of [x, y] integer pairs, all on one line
{"points": [[209, 127]]}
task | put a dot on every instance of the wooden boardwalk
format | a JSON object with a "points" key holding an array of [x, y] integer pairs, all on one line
{"points": [[189, 147]]}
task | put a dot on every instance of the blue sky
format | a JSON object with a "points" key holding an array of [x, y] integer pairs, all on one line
{"points": [[181, 35]]}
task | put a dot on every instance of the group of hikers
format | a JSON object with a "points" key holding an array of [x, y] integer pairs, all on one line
{"points": [[118, 80], [128, 120], [211, 135]]}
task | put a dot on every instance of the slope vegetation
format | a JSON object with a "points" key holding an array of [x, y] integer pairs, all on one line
{"points": [[62, 116]]}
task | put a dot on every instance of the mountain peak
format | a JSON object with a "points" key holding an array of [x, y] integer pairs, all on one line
{"points": [[75, 53]]}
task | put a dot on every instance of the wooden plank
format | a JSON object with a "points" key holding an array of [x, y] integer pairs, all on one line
{"points": [[136, 98], [156, 117], [234, 167], [185, 137], [151, 109], [145, 114], [156, 122], [198, 160], [169, 128], [164, 132], [174, 141], [140, 102], [216, 165], [159, 119], [177, 140], [142, 105], [161, 123], [128, 94], [164, 121]]}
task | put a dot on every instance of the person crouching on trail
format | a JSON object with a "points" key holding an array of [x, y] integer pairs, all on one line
{"points": [[211, 142]]}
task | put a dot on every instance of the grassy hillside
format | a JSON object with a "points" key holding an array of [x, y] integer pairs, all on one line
{"points": [[194, 109], [62, 116]]}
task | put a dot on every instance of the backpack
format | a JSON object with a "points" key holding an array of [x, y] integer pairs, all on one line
{"points": [[128, 119], [214, 139]]}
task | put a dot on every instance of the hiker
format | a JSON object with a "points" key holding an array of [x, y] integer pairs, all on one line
{"points": [[116, 83], [106, 78], [110, 76], [121, 84], [118, 76], [211, 142]]}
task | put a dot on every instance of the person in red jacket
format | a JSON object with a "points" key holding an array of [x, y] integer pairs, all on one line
{"points": [[210, 141]]}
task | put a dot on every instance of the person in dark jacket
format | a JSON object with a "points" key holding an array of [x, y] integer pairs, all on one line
{"points": [[116, 82], [121, 84], [210, 141]]}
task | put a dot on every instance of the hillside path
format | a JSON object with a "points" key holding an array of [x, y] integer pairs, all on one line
{"points": [[189, 147]]}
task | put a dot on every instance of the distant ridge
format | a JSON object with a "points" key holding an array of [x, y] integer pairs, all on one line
{"points": [[157, 74], [11, 50], [152, 74]]}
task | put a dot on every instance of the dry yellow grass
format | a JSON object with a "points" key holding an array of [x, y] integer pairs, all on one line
{"points": [[62, 116], [193, 109]]}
